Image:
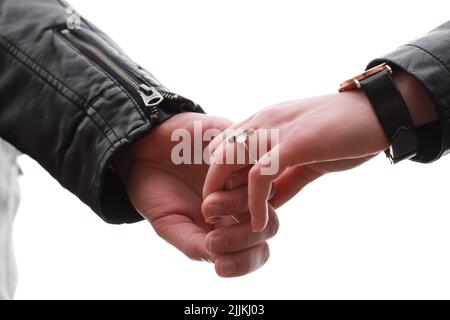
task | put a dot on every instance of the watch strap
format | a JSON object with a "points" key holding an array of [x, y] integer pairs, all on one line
{"points": [[393, 114]]}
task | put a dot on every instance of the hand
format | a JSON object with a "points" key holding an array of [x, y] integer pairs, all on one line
{"points": [[169, 197], [317, 136]]}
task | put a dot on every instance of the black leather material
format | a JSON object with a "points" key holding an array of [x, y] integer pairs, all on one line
{"points": [[393, 114], [66, 111], [427, 58]]}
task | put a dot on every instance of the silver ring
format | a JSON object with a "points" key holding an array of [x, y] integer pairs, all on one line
{"points": [[242, 136]]}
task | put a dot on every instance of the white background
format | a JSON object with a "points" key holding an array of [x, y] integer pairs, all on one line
{"points": [[379, 231]]}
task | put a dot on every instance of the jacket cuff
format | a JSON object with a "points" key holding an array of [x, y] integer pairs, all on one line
{"points": [[87, 169], [435, 77]]}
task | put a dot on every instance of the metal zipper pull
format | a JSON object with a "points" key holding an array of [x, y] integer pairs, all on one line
{"points": [[152, 98], [150, 95]]}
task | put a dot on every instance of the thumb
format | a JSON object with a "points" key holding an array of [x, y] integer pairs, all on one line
{"points": [[183, 234]]}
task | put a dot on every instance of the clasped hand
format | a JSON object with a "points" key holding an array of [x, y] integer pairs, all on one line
{"points": [[224, 213]]}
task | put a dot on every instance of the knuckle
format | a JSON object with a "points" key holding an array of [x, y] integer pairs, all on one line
{"points": [[258, 116], [248, 241], [266, 252], [274, 226], [252, 260], [269, 111], [192, 254], [254, 174], [160, 227], [218, 155]]}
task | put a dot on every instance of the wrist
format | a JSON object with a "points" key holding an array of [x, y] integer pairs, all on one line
{"points": [[376, 136], [417, 99], [400, 103]]}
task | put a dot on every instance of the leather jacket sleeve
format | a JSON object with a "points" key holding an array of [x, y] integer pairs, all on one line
{"points": [[428, 60], [70, 98]]}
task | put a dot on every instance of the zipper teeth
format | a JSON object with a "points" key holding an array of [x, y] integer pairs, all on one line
{"points": [[102, 57], [121, 73], [170, 96]]}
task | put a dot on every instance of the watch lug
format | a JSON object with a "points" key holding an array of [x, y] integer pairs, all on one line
{"points": [[403, 146]]}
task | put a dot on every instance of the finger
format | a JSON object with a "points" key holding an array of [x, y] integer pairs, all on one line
{"points": [[228, 203], [260, 181], [225, 221], [239, 237], [243, 262], [262, 175], [225, 203], [230, 158], [222, 166], [237, 179], [183, 234], [269, 168], [221, 138]]}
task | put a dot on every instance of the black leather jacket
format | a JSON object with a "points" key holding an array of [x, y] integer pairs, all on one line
{"points": [[70, 98], [428, 60]]}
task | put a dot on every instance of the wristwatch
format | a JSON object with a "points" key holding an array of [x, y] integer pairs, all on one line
{"points": [[390, 109]]}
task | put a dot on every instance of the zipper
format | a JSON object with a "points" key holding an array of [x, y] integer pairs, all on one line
{"points": [[169, 96], [146, 94]]}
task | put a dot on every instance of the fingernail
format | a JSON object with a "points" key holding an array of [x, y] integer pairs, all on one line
{"points": [[257, 228], [217, 244], [212, 220], [265, 161], [272, 191], [215, 210], [227, 268]]}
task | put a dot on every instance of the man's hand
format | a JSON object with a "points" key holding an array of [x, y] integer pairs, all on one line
{"points": [[169, 196]]}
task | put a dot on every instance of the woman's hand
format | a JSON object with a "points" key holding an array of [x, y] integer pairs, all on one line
{"points": [[316, 136]]}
